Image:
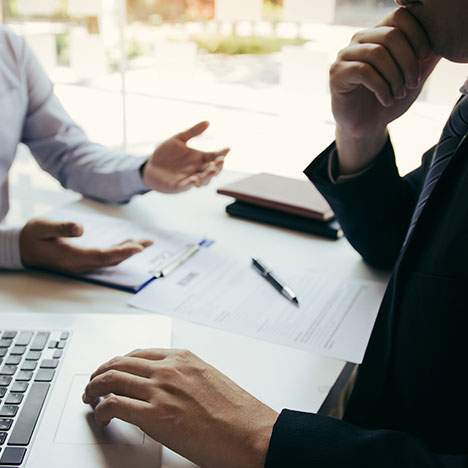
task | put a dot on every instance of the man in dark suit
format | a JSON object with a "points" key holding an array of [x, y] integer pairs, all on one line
{"points": [[408, 406]]}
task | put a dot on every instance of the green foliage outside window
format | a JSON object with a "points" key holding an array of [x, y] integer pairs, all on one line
{"points": [[239, 45]]}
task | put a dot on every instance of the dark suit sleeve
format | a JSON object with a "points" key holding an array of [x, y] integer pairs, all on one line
{"points": [[375, 208], [306, 440]]}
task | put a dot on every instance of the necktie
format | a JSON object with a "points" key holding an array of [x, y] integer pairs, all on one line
{"points": [[453, 134]]}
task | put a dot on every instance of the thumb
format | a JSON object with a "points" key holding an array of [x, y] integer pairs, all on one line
{"points": [[46, 229], [193, 132]]}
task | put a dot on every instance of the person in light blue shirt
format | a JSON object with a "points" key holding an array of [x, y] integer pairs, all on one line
{"points": [[30, 113]]}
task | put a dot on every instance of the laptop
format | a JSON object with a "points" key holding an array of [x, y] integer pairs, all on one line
{"points": [[45, 364]]}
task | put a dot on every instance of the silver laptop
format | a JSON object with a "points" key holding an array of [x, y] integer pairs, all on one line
{"points": [[45, 363]]}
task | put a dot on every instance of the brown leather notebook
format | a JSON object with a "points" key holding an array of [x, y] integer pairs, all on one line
{"points": [[291, 196]]}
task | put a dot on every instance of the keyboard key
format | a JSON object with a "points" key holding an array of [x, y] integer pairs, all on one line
{"points": [[8, 370], [18, 350], [14, 399], [24, 376], [58, 353], [9, 335], [13, 360], [29, 365], [19, 387], [27, 419], [3, 391], [52, 344], [24, 338], [12, 456], [3, 436], [3, 352], [49, 364], [65, 336], [40, 341], [33, 356], [5, 343], [8, 411], [5, 380], [5, 424], [61, 344], [44, 375]]}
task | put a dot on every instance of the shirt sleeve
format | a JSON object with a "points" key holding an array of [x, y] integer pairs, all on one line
{"points": [[62, 148], [333, 173], [10, 257], [309, 440]]}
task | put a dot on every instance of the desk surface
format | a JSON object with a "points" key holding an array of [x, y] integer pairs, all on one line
{"points": [[279, 376]]}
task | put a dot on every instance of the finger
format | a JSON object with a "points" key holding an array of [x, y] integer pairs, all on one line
{"points": [[46, 229], [403, 20], [83, 260], [363, 74], [123, 408], [145, 243], [378, 57], [153, 354], [187, 183], [397, 45], [193, 132], [208, 157], [131, 365], [118, 383]]}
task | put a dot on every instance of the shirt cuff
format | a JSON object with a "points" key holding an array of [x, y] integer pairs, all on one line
{"points": [[333, 170], [10, 255], [133, 178]]}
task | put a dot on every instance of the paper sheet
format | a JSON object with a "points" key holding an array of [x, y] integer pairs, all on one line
{"points": [[105, 231], [335, 318]]}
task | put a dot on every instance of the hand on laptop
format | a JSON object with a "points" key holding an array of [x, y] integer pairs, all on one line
{"points": [[43, 244], [185, 404], [175, 167], [374, 81]]}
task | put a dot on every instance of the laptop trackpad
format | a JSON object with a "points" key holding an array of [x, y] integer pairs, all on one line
{"points": [[77, 424]]}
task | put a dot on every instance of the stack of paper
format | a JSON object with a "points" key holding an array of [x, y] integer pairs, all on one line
{"points": [[335, 319]]}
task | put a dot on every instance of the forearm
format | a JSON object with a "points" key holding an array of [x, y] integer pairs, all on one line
{"points": [[301, 439], [373, 208], [10, 256], [63, 149]]}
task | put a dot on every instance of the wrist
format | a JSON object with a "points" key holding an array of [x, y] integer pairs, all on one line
{"points": [[260, 438], [356, 153], [10, 253]]}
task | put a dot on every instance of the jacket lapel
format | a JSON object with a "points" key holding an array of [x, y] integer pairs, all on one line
{"points": [[461, 151]]}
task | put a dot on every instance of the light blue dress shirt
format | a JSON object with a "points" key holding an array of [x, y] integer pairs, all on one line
{"points": [[31, 113]]}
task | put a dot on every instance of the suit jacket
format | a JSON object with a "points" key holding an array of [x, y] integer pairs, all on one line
{"points": [[409, 407]]}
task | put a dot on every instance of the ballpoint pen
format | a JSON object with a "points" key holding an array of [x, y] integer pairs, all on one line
{"points": [[178, 261], [281, 287]]}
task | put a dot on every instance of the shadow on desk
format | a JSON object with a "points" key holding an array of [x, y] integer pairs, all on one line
{"points": [[336, 391]]}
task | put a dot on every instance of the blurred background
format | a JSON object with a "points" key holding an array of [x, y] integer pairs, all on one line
{"points": [[134, 72]]}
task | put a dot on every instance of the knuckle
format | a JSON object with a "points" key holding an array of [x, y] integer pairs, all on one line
{"points": [[363, 69], [335, 70], [377, 52], [111, 401], [184, 354], [399, 15], [393, 34], [356, 38], [109, 377]]}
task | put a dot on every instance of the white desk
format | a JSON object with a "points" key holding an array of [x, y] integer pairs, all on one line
{"points": [[280, 376]]}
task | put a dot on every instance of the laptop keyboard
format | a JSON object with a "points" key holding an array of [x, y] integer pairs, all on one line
{"points": [[28, 365]]}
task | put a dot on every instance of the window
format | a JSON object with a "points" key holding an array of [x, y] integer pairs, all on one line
{"points": [[134, 72]]}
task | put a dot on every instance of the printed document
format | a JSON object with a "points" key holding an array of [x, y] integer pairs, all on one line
{"points": [[335, 317]]}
